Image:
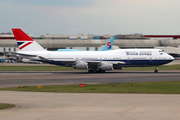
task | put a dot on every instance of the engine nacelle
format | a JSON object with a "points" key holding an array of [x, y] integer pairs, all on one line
{"points": [[106, 67], [81, 65]]}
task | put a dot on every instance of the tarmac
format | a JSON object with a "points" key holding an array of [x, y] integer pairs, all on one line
{"points": [[39, 78], [79, 106], [91, 106]]}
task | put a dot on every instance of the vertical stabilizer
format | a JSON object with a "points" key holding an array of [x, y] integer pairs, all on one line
{"points": [[24, 42], [108, 45]]}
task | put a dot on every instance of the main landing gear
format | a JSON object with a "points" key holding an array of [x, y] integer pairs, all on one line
{"points": [[96, 71], [156, 69]]}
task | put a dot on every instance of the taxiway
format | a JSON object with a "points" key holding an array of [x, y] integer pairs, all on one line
{"points": [[78, 106], [15, 79]]}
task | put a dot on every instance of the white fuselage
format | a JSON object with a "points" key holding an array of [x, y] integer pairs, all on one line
{"points": [[130, 57]]}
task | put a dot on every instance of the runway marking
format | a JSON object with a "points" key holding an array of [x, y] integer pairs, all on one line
{"points": [[137, 105]]}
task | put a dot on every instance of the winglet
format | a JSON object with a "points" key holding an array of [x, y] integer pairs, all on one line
{"points": [[108, 45]]}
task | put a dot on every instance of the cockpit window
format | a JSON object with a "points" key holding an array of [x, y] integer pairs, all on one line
{"points": [[161, 52]]}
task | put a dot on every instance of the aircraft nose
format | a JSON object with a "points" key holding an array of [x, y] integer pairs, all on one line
{"points": [[171, 57]]}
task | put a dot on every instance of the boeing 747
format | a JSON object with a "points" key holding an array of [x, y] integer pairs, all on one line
{"points": [[94, 61]]}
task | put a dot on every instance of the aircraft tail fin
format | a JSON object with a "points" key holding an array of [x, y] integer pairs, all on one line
{"points": [[108, 45], [24, 42]]}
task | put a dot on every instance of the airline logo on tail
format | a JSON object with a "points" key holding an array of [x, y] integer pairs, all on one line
{"points": [[22, 39], [109, 45], [23, 44]]}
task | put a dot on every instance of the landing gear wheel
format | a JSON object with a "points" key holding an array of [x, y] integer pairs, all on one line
{"points": [[100, 71], [103, 71], [90, 71], [156, 69]]}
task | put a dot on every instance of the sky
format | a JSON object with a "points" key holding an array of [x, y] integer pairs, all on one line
{"points": [[98, 17]]}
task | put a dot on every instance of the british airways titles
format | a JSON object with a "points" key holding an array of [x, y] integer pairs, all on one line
{"points": [[148, 53]]}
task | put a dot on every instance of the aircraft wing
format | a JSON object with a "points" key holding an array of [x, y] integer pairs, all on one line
{"points": [[71, 61], [58, 60]]}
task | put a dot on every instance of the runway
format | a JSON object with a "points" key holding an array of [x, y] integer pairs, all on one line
{"points": [[78, 106], [15, 79]]}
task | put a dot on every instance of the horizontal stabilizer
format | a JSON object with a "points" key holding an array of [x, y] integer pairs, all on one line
{"points": [[42, 58], [26, 55]]}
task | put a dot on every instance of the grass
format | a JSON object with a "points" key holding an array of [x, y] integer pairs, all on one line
{"points": [[5, 106], [60, 68], [144, 87], [164, 67], [34, 68]]}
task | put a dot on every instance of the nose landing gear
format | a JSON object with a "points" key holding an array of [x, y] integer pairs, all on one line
{"points": [[156, 69]]}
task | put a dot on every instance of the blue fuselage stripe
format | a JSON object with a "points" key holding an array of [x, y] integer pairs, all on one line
{"points": [[127, 62]]}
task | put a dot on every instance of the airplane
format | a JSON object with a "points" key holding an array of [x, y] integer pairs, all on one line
{"points": [[94, 61], [107, 46]]}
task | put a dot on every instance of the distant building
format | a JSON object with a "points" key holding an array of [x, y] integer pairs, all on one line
{"points": [[8, 44]]}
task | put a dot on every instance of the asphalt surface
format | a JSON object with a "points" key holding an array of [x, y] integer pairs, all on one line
{"points": [[15, 79], [77, 106]]}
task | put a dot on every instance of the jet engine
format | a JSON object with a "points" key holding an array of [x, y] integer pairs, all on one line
{"points": [[106, 66], [81, 65]]}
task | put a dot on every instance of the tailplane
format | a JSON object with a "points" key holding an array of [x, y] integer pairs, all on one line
{"points": [[24, 42], [108, 45]]}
